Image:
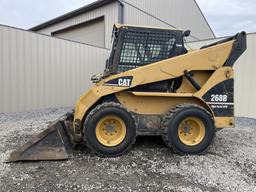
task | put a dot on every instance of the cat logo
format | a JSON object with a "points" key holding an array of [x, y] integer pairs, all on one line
{"points": [[120, 82], [124, 82]]}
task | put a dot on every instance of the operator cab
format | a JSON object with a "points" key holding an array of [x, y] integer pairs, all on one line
{"points": [[135, 46]]}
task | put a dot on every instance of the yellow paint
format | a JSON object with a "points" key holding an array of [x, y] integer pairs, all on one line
{"points": [[110, 131], [208, 59], [157, 94], [191, 131], [199, 76], [140, 26], [227, 122], [218, 76], [151, 104]]}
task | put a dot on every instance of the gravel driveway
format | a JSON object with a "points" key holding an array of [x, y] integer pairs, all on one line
{"points": [[229, 165]]}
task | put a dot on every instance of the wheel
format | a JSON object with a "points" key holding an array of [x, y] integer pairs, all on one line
{"points": [[109, 130], [190, 129]]}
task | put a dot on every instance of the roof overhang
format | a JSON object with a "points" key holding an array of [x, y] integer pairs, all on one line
{"points": [[74, 13]]}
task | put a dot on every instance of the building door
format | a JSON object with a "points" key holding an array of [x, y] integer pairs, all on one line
{"points": [[92, 32]]}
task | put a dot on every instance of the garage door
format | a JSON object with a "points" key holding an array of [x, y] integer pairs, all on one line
{"points": [[90, 33]]}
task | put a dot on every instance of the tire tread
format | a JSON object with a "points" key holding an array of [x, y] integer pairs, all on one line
{"points": [[169, 117], [89, 116]]}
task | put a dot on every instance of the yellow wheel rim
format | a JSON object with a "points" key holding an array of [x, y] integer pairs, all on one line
{"points": [[191, 131], [110, 131]]}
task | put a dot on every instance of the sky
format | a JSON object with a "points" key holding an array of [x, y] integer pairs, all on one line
{"points": [[29, 13], [225, 17]]}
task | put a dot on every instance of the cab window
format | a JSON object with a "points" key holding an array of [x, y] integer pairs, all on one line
{"points": [[142, 48]]}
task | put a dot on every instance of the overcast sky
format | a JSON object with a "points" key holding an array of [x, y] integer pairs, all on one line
{"points": [[226, 17]]}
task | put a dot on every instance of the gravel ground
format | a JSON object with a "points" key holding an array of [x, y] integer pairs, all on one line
{"points": [[229, 165]]}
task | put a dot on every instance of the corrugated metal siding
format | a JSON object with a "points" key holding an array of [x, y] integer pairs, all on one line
{"points": [[110, 13], [38, 71], [93, 34], [183, 14], [245, 78]]}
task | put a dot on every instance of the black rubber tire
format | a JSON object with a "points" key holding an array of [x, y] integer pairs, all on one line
{"points": [[95, 115], [171, 123]]}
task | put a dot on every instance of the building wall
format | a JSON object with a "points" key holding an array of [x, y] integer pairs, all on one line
{"points": [[110, 13], [93, 33], [38, 71], [183, 14], [245, 78]]}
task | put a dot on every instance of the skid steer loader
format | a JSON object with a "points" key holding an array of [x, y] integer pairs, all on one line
{"points": [[151, 85]]}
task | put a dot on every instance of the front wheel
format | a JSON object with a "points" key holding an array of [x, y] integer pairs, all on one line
{"points": [[190, 129], [109, 130]]}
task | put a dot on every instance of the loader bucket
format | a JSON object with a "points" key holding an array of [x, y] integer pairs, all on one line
{"points": [[51, 144]]}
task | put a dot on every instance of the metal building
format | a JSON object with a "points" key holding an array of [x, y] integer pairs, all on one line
{"points": [[93, 23], [38, 66], [39, 71]]}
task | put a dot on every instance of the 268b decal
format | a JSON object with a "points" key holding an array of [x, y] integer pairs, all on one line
{"points": [[221, 104], [219, 98]]}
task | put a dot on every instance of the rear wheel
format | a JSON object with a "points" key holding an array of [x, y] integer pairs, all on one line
{"points": [[109, 130], [190, 129]]}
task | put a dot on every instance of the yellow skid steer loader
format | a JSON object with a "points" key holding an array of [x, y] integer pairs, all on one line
{"points": [[151, 85]]}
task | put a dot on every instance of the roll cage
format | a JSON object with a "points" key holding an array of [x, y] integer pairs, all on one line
{"points": [[138, 46]]}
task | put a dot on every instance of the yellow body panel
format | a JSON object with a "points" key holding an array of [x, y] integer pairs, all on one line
{"points": [[199, 76], [221, 122], [218, 76], [151, 104], [141, 26], [208, 59]]}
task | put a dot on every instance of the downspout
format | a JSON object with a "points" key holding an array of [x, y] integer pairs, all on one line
{"points": [[120, 12]]}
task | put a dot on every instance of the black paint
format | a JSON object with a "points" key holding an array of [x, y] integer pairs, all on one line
{"points": [[222, 108]]}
